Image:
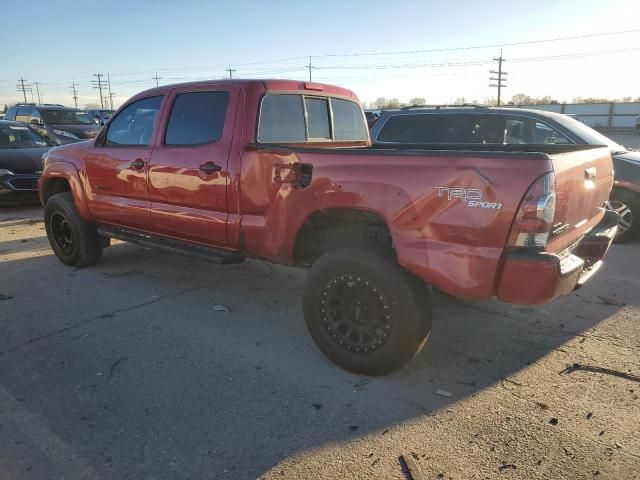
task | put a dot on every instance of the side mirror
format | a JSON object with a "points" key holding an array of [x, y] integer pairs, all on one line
{"points": [[36, 122]]}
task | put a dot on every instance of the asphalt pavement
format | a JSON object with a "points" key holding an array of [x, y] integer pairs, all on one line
{"points": [[152, 365]]}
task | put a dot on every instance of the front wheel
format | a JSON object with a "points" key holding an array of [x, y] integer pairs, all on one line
{"points": [[72, 240], [365, 312], [627, 206]]}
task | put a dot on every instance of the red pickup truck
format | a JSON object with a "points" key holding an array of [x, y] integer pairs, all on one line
{"points": [[284, 171]]}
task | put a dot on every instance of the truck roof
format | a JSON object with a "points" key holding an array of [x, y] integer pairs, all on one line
{"points": [[262, 84]]}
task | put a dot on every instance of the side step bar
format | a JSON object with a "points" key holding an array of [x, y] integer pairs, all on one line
{"points": [[217, 255]]}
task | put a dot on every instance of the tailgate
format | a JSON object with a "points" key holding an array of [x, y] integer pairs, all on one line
{"points": [[583, 181]]}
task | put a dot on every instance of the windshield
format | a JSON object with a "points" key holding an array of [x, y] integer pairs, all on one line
{"points": [[16, 136], [66, 117], [588, 134]]}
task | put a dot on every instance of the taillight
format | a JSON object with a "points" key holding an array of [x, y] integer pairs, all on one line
{"points": [[534, 219]]}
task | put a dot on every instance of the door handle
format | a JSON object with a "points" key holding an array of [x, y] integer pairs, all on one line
{"points": [[210, 167], [138, 164]]}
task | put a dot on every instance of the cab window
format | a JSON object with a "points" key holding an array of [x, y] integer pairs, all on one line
{"points": [[281, 119], [290, 118], [348, 122], [134, 125], [197, 118], [317, 118]]}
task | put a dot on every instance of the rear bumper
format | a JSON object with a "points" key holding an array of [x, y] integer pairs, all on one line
{"points": [[535, 278]]}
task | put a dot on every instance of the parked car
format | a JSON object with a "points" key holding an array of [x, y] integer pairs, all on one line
{"points": [[21, 150], [57, 123], [248, 168], [515, 126], [101, 116]]}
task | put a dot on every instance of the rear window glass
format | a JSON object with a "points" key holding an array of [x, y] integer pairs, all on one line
{"points": [[434, 128], [299, 118], [318, 118], [281, 119], [197, 118], [22, 115], [348, 121]]}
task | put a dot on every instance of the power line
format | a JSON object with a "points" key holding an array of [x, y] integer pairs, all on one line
{"points": [[476, 47], [500, 76], [437, 50], [230, 70]]}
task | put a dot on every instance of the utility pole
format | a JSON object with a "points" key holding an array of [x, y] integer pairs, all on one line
{"points": [[309, 68], [230, 70], [75, 93], [38, 90], [110, 94], [98, 84], [23, 87], [156, 78], [500, 76]]}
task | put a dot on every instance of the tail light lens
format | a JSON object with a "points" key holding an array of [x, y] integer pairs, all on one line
{"points": [[534, 219]]}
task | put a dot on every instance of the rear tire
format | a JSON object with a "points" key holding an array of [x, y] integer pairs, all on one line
{"points": [[365, 312], [72, 240], [626, 204]]}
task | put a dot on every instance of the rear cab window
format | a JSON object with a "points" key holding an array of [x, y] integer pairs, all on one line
{"points": [[307, 118]]}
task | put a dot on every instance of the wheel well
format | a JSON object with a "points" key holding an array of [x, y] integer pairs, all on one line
{"points": [[341, 228], [55, 186]]}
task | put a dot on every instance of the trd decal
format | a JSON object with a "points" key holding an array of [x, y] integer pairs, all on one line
{"points": [[471, 196]]}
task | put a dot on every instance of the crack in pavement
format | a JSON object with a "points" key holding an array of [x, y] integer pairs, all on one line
{"points": [[595, 369], [100, 317]]}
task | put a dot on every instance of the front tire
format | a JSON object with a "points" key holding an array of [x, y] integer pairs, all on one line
{"points": [[627, 205], [365, 312], [72, 240]]}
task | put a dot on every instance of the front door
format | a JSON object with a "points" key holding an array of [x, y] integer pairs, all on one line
{"points": [[117, 166], [189, 174]]}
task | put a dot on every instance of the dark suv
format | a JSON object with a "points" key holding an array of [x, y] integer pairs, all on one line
{"points": [[57, 123], [515, 126]]}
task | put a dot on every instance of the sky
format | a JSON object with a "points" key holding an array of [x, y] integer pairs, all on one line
{"points": [[439, 51]]}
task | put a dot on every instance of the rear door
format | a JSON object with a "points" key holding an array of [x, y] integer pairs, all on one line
{"points": [[189, 170], [117, 165]]}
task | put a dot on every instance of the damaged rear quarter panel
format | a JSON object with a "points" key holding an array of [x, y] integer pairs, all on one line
{"points": [[453, 246]]}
